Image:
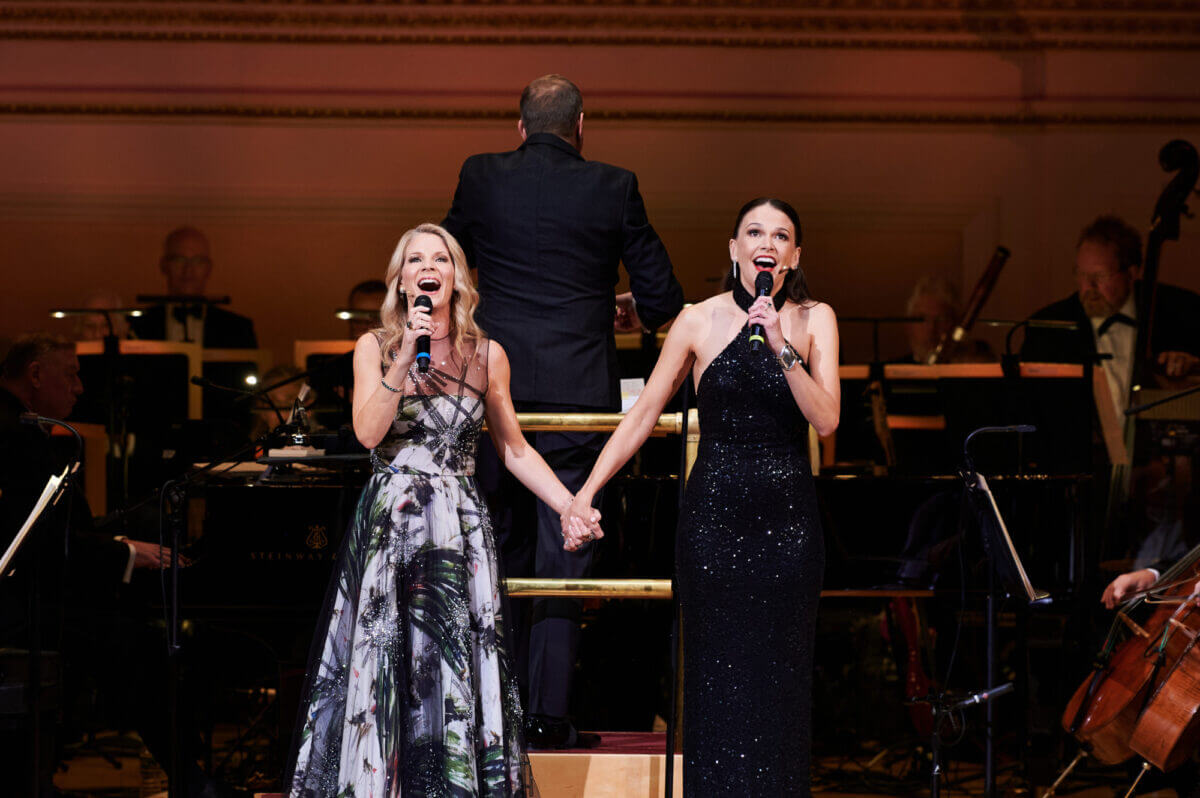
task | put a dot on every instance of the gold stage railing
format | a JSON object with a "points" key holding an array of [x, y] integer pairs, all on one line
{"points": [[655, 589], [667, 424], [590, 588]]}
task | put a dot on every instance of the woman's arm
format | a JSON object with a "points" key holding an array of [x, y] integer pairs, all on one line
{"points": [[521, 459], [670, 371], [818, 391], [374, 406]]}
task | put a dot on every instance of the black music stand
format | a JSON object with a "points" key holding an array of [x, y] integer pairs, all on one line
{"points": [[56, 488], [1005, 563]]}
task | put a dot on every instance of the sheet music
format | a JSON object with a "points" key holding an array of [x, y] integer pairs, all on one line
{"points": [[47, 494], [1030, 592]]}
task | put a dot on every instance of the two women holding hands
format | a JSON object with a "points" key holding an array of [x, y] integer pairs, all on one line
{"points": [[410, 689]]}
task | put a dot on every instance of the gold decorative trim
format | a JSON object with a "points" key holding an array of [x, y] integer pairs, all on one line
{"points": [[607, 40], [988, 24], [874, 24], [300, 113], [972, 7]]}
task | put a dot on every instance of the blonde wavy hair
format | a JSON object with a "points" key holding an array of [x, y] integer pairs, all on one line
{"points": [[463, 300]]}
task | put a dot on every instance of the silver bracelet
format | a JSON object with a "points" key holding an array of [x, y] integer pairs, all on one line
{"points": [[383, 382]]}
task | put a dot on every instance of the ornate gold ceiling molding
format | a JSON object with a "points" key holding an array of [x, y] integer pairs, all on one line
{"points": [[334, 114], [602, 40], [876, 6], [898, 24]]}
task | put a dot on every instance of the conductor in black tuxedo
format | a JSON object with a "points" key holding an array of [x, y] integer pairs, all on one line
{"points": [[546, 231], [1108, 261], [187, 264]]}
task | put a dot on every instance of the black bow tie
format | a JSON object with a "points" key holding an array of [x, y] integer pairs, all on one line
{"points": [[181, 312], [1116, 318]]}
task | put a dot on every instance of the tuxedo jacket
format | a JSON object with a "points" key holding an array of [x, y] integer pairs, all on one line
{"points": [[546, 231], [1176, 328], [223, 329]]}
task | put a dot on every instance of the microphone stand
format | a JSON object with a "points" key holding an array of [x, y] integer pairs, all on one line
{"points": [[676, 619], [172, 508], [941, 706]]}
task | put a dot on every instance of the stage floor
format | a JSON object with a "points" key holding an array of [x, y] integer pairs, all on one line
{"points": [[627, 765]]}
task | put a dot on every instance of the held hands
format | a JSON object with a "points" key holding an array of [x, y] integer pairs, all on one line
{"points": [[580, 524], [1126, 584], [763, 312]]}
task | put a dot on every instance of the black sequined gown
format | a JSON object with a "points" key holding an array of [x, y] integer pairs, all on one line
{"points": [[750, 557]]}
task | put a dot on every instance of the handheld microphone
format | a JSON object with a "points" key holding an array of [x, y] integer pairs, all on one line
{"points": [[762, 287], [423, 301]]}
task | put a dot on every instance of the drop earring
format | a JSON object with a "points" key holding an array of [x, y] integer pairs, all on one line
{"points": [[734, 270]]}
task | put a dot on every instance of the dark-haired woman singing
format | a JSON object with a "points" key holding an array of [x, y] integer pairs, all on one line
{"points": [[749, 552]]}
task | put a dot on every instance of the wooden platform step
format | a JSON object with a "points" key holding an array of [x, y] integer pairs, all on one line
{"points": [[625, 765]]}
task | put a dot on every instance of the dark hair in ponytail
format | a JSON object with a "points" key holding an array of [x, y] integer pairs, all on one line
{"points": [[795, 286]]}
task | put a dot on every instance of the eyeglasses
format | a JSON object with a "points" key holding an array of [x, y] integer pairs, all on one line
{"points": [[1096, 280]]}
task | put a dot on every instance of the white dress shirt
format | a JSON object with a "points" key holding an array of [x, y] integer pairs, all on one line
{"points": [[175, 328], [1118, 340]]}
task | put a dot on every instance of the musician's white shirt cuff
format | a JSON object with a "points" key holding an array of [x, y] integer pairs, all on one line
{"points": [[132, 556], [1155, 572]]}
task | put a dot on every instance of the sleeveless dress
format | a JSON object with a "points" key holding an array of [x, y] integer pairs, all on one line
{"points": [[750, 559], [409, 691]]}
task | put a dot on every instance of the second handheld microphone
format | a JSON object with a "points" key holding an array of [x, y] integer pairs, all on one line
{"points": [[762, 287], [423, 301]]}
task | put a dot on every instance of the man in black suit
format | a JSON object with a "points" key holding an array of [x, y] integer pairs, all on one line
{"points": [[187, 264], [546, 231], [1108, 260]]}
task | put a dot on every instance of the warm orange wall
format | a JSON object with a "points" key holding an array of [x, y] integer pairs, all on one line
{"points": [[905, 155]]}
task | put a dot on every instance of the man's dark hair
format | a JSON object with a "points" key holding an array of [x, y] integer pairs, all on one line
{"points": [[551, 104], [367, 287], [28, 348], [1117, 233]]}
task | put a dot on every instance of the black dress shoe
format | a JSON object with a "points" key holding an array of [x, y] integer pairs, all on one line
{"points": [[549, 734]]}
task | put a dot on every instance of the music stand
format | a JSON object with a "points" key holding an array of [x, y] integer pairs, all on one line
{"points": [[1003, 562]]}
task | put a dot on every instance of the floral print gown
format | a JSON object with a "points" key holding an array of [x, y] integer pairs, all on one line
{"points": [[409, 691]]}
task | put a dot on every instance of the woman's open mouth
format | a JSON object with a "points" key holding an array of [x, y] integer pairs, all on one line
{"points": [[429, 285]]}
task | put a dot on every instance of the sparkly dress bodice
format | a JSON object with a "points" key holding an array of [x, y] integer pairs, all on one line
{"points": [[749, 559], [432, 436], [745, 401]]}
